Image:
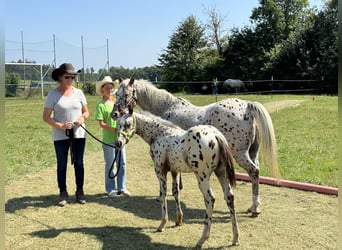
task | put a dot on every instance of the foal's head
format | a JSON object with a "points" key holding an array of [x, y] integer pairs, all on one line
{"points": [[127, 125], [125, 97]]}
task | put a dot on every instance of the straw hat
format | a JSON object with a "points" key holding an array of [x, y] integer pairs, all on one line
{"points": [[106, 79], [63, 68]]}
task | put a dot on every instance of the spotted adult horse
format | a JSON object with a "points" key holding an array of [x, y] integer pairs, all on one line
{"points": [[246, 125], [201, 150]]}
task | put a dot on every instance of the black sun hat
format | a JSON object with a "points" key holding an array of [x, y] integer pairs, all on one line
{"points": [[63, 68]]}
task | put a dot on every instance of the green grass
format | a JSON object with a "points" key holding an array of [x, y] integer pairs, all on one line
{"points": [[307, 141], [306, 136]]}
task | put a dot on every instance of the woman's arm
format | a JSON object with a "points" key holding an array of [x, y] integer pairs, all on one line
{"points": [[47, 118], [84, 116]]}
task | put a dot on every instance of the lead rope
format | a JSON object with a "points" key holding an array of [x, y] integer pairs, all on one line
{"points": [[111, 170], [70, 133], [117, 151]]}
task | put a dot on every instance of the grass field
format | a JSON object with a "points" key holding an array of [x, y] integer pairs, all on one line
{"points": [[306, 136], [290, 219]]}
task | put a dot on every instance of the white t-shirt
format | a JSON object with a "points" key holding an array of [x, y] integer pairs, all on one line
{"points": [[66, 109]]}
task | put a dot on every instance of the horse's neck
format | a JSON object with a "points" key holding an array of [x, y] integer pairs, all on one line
{"points": [[161, 103], [153, 99], [150, 130]]}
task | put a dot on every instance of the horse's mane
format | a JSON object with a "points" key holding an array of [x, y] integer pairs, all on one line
{"points": [[156, 96], [158, 119]]}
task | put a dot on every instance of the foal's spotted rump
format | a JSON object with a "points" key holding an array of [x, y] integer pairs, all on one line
{"points": [[201, 150]]}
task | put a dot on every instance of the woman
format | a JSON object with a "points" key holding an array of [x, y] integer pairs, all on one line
{"points": [[113, 186], [65, 110]]}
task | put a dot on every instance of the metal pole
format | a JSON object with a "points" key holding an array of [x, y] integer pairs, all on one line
{"points": [[23, 55], [41, 80], [54, 51], [83, 61], [271, 86], [107, 56]]}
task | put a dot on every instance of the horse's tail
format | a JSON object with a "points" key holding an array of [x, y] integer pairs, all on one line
{"points": [[226, 157], [265, 134]]}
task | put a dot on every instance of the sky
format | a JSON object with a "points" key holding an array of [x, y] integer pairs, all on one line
{"points": [[136, 31]]}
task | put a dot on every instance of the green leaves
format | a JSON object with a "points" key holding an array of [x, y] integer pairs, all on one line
{"points": [[182, 59]]}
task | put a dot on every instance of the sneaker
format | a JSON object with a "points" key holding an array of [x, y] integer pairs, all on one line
{"points": [[113, 194], [124, 193], [63, 198], [80, 197]]}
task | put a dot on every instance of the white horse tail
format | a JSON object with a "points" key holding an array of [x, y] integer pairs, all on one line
{"points": [[266, 136], [226, 157]]}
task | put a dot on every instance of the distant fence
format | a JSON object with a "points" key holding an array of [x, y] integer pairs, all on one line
{"points": [[328, 87], [317, 87], [34, 88]]}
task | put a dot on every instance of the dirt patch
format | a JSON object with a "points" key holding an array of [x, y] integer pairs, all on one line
{"points": [[290, 218], [274, 106]]}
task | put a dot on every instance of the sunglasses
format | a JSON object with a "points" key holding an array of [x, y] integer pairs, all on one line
{"points": [[68, 77]]}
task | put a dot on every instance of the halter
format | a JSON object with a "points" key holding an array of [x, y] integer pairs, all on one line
{"points": [[131, 133], [132, 100]]}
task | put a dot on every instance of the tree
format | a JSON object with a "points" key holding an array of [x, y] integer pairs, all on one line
{"points": [[181, 60], [325, 28], [12, 80], [275, 24], [310, 53], [275, 20], [243, 58], [215, 27]]}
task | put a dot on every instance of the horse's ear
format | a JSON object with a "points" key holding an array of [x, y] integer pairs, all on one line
{"points": [[131, 81]]}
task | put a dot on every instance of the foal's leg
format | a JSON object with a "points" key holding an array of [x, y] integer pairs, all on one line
{"points": [[229, 197], [176, 195], [162, 178], [209, 201]]}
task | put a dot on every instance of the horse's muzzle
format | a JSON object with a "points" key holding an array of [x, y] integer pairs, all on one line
{"points": [[120, 142]]}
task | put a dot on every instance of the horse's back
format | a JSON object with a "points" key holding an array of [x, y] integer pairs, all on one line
{"points": [[234, 119]]}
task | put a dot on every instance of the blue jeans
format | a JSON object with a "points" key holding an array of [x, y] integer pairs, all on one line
{"points": [[119, 182], [62, 151]]}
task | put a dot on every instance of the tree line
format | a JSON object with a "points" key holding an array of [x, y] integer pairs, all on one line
{"points": [[284, 40]]}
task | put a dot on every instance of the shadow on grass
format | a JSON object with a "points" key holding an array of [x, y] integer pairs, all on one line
{"points": [[115, 237], [118, 237], [143, 206], [111, 236]]}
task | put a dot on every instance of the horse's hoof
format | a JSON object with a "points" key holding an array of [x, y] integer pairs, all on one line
{"points": [[179, 224], [254, 213], [160, 229], [198, 247], [236, 243]]}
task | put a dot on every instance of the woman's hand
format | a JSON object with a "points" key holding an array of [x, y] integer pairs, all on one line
{"points": [[80, 120], [67, 125]]}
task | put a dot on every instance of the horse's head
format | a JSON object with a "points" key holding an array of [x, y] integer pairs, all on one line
{"points": [[127, 123], [126, 98]]}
